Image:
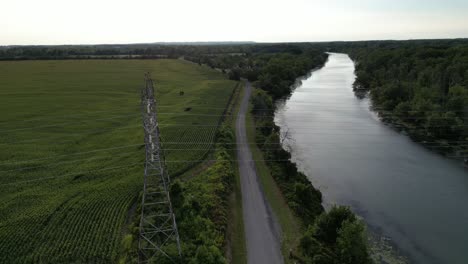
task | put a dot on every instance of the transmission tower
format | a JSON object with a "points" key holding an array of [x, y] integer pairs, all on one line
{"points": [[158, 227]]}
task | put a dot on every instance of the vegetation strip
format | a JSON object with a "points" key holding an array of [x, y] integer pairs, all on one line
{"points": [[201, 204]]}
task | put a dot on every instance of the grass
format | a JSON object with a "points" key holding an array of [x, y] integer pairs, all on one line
{"points": [[71, 155], [290, 225]]}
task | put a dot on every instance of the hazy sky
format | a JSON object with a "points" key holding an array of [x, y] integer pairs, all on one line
{"points": [[118, 21]]}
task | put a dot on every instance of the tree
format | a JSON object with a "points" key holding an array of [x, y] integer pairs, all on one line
{"points": [[208, 255], [328, 224], [336, 237], [306, 194], [235, 74], [351, 244], [262, 103], [458, 99]]}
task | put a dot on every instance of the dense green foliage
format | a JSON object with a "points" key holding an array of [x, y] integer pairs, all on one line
{"points": [[274, 68], [202, 218], [336, 237], [420, 86], [201, 207], [117, 51], [71, 150]]}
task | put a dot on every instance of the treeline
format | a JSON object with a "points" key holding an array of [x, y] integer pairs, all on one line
{"points": [[115, 51], [273, 68], [420, 86]]}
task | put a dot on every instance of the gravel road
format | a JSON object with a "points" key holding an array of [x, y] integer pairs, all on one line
{"points": [[262, 232]]}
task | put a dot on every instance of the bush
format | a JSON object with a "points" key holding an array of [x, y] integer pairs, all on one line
{"points": [[336, 237]]}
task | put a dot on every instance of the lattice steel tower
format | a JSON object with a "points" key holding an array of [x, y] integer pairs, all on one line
{"points": [[158, 227]]}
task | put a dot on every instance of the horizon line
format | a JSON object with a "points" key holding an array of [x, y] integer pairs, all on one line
{"points": [[225, 42]]}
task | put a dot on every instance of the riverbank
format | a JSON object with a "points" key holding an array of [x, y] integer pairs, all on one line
{"points": [[382, 249], [291, 226], [449, 149], [354, 159], [418, 92], [303, 199], [443, 147]]}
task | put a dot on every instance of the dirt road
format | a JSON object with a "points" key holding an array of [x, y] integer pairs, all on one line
{"points": [[262, 233]]}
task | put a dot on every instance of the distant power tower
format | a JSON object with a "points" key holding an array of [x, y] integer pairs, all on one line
{"points": [[158, 227]]}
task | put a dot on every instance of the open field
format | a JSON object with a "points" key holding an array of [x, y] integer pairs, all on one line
{"points": [[71, 149]]}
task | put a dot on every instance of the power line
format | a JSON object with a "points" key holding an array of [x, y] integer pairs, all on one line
{"points": [[200, 149], [429, 144], [49, 117], [54, 117], [269, 126], [65, 162], [72, 134], [318, 103], [91, 120], [69, 174], [271, 143], [330, 144], [377, 109], [175, 161], [62, 124], [190, 114], [354, 128], [211, 142], [69, 93], [76, 153], [112, 116], [16, 142], [319, 143]]}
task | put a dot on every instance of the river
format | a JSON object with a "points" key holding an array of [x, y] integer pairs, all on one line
{"points": [[415, 197]]}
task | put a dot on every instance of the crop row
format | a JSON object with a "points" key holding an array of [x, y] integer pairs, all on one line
{"points": [[86, 223]]}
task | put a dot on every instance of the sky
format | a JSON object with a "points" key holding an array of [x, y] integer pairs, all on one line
{"points": [[37, 22]]}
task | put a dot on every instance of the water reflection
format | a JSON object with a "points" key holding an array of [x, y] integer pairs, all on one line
{"points": [[403, 190]]}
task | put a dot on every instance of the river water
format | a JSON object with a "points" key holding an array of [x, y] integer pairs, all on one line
{"points": [[405, 192]]}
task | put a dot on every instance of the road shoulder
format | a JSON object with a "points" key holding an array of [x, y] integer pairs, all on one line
{"points": [[290, 225]]}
